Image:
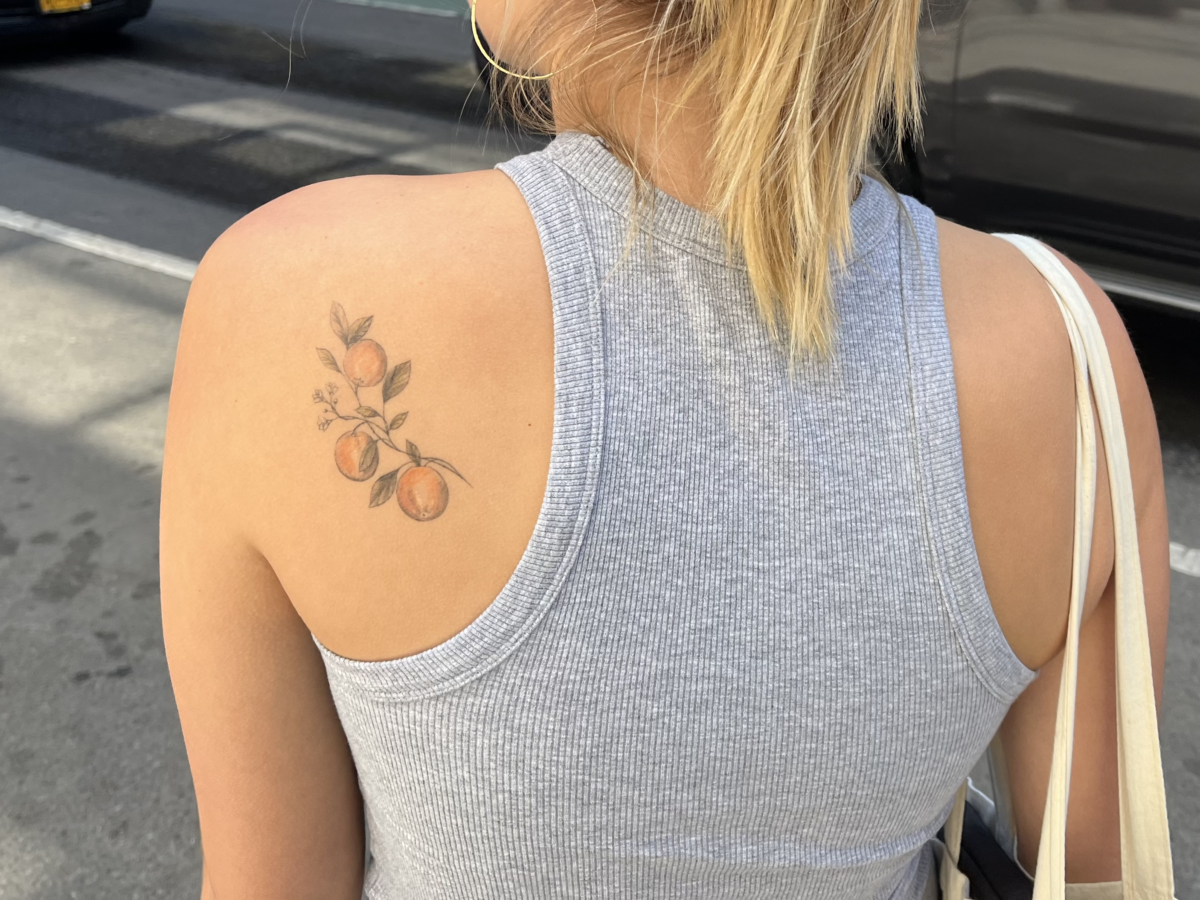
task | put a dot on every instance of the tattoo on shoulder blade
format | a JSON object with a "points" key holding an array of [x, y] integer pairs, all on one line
{"points": [[420, 489]]}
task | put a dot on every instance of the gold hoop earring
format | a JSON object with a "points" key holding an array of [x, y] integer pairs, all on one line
{"points": [[491, 59]]}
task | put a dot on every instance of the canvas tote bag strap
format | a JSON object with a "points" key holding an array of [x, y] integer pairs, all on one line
{"points": [[1146, 871], [1051, 868]]}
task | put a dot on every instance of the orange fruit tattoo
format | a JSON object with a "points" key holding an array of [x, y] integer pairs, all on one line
{"points": [[420, 490], [350, 452], [422, 493], [365, 363]]}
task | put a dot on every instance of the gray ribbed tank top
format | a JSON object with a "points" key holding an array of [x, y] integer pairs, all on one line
{"points": [[748, 652]]}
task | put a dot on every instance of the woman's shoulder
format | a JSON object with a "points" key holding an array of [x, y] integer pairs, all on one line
{"points": [[1016, 397], [332, 224], [404, 241], [352, 331], [442, 256]]}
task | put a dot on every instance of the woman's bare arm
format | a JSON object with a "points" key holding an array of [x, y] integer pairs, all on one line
{"points": [[1016, 400], [1093, 830], [280, 813]]}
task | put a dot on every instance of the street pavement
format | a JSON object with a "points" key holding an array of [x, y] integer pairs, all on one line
{"points": [[157, 140]]}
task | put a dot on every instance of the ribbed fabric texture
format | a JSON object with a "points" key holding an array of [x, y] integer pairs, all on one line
{"points": [[748, 652]]}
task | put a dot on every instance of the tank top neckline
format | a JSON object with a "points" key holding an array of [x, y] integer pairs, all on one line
{"points": [[588, 161]]}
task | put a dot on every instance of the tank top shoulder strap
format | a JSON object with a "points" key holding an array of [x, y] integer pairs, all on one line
{"points": [[943, 481], [553, 200], [574, 462]]}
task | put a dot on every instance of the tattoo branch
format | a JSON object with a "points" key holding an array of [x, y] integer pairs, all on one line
{"points": [[419, 488]]}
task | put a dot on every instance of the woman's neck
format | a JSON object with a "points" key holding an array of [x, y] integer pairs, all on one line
{"points": [[671, 145]]}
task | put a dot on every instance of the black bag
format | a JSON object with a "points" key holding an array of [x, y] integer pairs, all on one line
{"points": [[993, 875]]}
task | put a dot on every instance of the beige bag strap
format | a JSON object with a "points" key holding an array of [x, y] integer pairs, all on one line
{"points": [[1146, 869], [1051, 868]]}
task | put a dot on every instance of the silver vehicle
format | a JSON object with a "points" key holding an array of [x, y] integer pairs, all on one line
{"points": [[1075, 120]]}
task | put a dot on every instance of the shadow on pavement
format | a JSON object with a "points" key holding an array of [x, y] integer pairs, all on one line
{"points": [[95, 795]]}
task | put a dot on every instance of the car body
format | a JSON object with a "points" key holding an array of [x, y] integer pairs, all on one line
{"points": [[47, 18], [1077, 121]]}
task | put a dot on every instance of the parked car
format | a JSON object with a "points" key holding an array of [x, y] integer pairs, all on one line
{"points": [[30, 18], [1074, 120]]}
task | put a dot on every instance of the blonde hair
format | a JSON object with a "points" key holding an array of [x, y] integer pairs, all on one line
{"points": [[798, 89]]}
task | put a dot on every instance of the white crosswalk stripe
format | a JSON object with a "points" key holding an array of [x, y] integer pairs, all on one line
{"points": [[98, 244], [1185, 559]]}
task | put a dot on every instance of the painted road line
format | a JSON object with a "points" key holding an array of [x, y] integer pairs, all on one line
{"points": [[1185, 559], [98, 244]]}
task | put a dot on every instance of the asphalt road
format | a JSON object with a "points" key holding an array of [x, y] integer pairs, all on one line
{"points": [[160, 138]]}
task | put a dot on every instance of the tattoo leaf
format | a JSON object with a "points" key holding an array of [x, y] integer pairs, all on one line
{"points": [[339, 322], [328, 359], [384, 487], [414, 454], [397, 380], [359, 330], [369, 458], [366, 412], [397, 421]]}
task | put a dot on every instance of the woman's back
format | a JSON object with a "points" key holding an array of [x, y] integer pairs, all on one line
{"points": [[748, 649], [605, 601]]}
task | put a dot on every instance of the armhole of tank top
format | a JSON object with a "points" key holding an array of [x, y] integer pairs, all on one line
{"points": [[943, 479], [574, 463]]}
